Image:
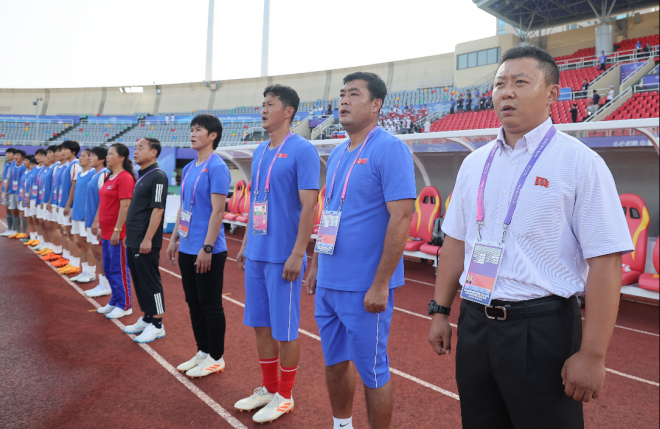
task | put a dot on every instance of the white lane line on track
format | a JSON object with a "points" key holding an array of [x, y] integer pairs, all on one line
{"points": [[316, 337], [632, 377], [231, 259], [168, 367]]}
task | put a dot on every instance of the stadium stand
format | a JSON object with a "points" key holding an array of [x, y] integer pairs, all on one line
{"points": [[232, 132], [27, 131], [637, 216], [641, 105], [587, 53], [573, 78], [86, 132], [629, 44], [561, 111], [651, 281], [467, 121]]}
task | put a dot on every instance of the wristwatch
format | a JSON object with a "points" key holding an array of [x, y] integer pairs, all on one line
{"points": [[208, 248], [435, 308]]}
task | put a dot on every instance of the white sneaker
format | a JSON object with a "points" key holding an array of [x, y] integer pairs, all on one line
{"points": [[260, 398], [78, 277], [86, 278], [107, 309], [136, 328], [98, 291], [196, 360], [7, 233], [277, 407], [38, 248], [150, 334], [207, 367], [118, 313]]}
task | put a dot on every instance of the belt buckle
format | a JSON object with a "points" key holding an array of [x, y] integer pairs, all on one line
{"points": [[486, 307]]}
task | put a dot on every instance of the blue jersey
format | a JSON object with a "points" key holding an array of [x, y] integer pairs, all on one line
{"points": [[41, 183], [66, 181], [80, 195], [33, 186], [214, 179], [297, 167], [57, 184], [15, 176], [52, 183], [5, 174], [23, 191], [92, 199], [385, 172]]}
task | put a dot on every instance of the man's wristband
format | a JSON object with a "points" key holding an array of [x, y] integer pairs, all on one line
{"points": [[117, 230]]}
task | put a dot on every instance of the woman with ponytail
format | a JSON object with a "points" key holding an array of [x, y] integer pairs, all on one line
{"points": [[114, 198]]}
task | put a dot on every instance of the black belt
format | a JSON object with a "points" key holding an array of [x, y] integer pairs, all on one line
{"points": [[503, 310]]}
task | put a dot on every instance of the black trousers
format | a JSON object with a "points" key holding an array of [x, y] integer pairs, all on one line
{"points": [[204, 298], [146, 280], [509, 372]]}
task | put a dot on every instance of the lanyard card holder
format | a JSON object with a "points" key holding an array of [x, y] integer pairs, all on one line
{"points": [[327, 235], [184, 223], [14, 185], [482, 273], [260, 218]]}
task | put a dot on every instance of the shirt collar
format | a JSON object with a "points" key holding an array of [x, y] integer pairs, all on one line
{"points": [[530, 141], [148, 169]]}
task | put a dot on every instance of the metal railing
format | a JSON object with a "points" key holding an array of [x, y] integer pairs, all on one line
{"points": [[613, 58]]}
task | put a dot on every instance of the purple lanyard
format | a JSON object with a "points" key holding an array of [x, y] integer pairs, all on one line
{"points": [[279, 148], [328, 195], [514, 199], [183, 183], [145, 175]]}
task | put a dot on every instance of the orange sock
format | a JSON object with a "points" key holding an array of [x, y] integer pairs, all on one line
{"points": [[287, 379], [269, 372]]}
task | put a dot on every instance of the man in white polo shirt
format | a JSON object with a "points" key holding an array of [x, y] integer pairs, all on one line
{"points": [[534, 222]]}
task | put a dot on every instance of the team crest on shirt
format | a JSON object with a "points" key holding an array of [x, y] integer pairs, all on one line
{"points": [[110, 187], [540, 181], [281, 155], [361, 161]]}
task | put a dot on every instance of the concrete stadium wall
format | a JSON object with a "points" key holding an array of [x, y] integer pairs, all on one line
{"points": [[478, 75]]}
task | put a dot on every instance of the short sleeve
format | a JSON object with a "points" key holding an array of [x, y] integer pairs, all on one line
{"points": [[455, 222], [219, 177], [75, 171], [598, 221], [125, 187], [308, 168], [101, 179], [159, 191], [397, 172]]}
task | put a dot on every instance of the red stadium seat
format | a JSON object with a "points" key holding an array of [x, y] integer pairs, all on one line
{"points": [[427, 210], [650, 281], [319, 209], [244, 205], [234, 202], [637, 217]]}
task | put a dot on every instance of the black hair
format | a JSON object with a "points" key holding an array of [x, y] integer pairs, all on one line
{"points": [[72, 145], [33, 160], [10, 150], [375, 85], [154, 143], [100, 152], [58, 147], [287, 95], [52, 148], [547, 64], [89, 151], [211, 124], [123, 151], [40, 151], [20, 152]]}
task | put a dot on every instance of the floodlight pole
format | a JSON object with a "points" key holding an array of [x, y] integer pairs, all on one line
{"points": [[209, 44], [36, 103], [264, 40]]}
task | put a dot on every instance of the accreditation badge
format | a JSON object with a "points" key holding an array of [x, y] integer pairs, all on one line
{"points": [[184, 223], [327, 235], [260, 218], [14, 185], [482, 273]]}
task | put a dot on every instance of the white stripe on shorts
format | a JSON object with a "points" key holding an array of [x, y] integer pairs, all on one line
{"points": [[376, 357]]}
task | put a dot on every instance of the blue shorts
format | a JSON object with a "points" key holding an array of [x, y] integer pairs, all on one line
{"points": [[271, 301], [349, 332]]}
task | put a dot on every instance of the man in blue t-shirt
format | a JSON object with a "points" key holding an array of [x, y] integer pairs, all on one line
{"points": [[6, 173], [362, 260], [15, 176], [603, 61], [285, 184]]}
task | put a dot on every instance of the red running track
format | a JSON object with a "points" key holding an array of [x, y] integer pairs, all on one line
{"points": [[66, 366]]}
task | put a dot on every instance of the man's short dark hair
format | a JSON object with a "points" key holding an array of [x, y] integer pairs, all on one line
{"points": [[154, 143], [58, 148], [287, 95], [72, 145], [211, 124], [547, 64], [10, 150], [40, 151], [375, 85], [100, 152], [33, 160], [52, 148], [20, 152]]}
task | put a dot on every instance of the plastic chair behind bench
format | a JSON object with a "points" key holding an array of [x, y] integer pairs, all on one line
{"points": [[427, 209], [637, 217]]}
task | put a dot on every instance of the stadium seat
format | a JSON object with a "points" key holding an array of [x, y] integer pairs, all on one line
{"points": [[427, 210], [244, 205], [641, 105], [650, 281], [637, 217], [235, 200], [319, 210]]}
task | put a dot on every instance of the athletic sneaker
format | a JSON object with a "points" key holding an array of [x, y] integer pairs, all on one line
{"points": [[277, 407], [75, 279], [196, 360], [52, 256], [207, 367], [99, 290], [22, 236], [44, 252], [118, 313], [86, 278], [260, 398], [38, 248], [60, 263], [136, 328], [106, 309], [150, 334], [70, 269], [7, 233]]}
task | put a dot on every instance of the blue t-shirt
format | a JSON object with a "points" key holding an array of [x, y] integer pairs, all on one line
{"points": [[92, 196], [23, 191], [215, 179], [66, 181], [603, 59], [57, 184], [53, 191], [32, 187], [80, 195], [15, 176], [298, 167], [5, 174], [384, 173], [41, 176]]}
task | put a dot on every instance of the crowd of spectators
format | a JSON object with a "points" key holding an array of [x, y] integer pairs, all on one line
{"points": [[403, 121], [469, 102]]}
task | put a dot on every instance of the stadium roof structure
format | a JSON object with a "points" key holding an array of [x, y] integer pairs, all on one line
{"points": [[530, 15]]}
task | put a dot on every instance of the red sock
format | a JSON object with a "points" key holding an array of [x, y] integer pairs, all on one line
{"points": [[288, 376], [269, 371]]}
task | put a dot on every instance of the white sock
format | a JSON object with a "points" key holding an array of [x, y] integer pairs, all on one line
{"points": [[48, 245], [66, 254], [343, 423], [74, 262], [57, 249], [85, 267], [33, 236], [103, 280], [41, 238], [91, 270]]}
